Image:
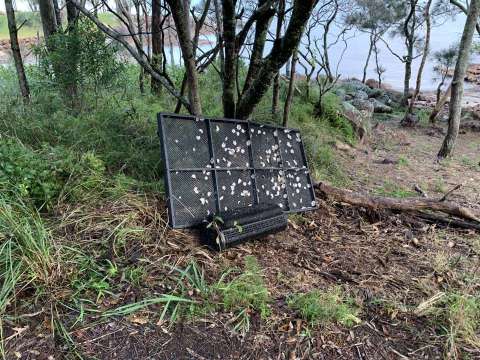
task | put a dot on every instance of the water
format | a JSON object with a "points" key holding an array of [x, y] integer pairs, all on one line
{"points": [[353, 61]]}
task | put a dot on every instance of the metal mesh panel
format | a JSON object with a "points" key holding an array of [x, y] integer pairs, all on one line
{"points": [[271, 187], [265, 147], [192, 196], [299, 190], [290, 148], [230, 141], [235, 189], [187, 143], [209, 166]]}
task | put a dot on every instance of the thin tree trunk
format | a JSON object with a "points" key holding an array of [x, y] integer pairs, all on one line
{"points": [[440, 104], [426, 52], [141, 75], [458, 79], [157, 43], [291, 87], [365, 68], [409, 41], [229, 26], [276, 79], [17, 56], [219, 32], [180, 16]]}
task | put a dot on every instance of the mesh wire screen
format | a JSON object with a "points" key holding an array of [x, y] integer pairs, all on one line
{"points": [[215, 165], [266, 152], [230, 144], [235, 189]]}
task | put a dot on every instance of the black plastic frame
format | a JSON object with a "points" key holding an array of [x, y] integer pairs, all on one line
{"points": [[214, 169]]}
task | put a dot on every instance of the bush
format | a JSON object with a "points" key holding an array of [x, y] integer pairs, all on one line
{"points": [[41, 176], [80, 58]]}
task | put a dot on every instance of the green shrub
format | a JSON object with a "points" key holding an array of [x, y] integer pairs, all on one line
{"points": [[324, 307], [332, 115], [41, 176], [80, 57]]}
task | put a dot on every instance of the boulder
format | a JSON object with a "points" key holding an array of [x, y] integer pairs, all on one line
{"points": [[360, 94], [352, 86], [341, 93], [363, 105], [374, 84], [380, 108], [361, 120]]}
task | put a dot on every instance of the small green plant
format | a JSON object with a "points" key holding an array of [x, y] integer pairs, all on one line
{"points": [[458, 315], [423, 117], [402, 161], [470, 163], [324, 307], [245, 293], [394, 190], [135, 275]]}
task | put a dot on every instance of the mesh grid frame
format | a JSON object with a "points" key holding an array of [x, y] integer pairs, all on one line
{"points": [[213, 164]]}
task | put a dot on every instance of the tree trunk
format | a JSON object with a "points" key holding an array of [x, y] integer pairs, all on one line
{"points": [[365, 68], [219, 34], [291, 87], [157, 43], [281, 51], [180, 16], [141, 75], [276, 79], [17, 56], [440, 104], [458, 79], [49, 20], [426, 51], [409, 33], [229, 26], [58, 13]]}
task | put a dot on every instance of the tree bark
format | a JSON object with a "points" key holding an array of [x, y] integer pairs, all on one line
{"points": [[181, 16], [291, 87], [49, 20], [141, 75], [17, 56], [276, 79], [365, 68], [157, 43], [408, 31], [58, 13], [458, 79], [281, 51], [440, 104], [229, 76]]}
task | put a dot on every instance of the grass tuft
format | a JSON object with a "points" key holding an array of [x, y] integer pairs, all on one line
{"points": [[325, 307]]}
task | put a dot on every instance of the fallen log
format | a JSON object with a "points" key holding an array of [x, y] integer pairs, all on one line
{"points": [[407, 204]]}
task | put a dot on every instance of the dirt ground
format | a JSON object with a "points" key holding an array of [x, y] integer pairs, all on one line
{"points": [[390, 263]]}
